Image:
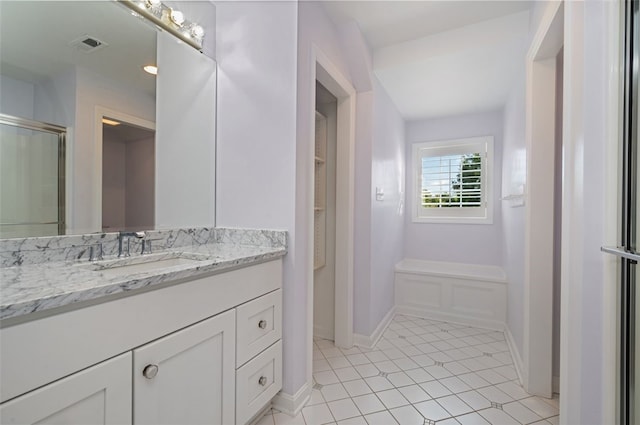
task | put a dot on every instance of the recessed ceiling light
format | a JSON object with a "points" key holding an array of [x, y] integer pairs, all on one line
{"points": [[151, 69], [110, 122]]}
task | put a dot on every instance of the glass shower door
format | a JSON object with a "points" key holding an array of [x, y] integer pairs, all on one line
{"points": [[627, 250], [31, 178], [631, 217]]}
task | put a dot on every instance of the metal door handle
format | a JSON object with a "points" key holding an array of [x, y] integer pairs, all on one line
{"points": [[619, 252]]}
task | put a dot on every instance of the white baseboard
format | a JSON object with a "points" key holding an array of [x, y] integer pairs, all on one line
{"points": [[494, 325], [292, 404], [371, 341], [515, 355]]}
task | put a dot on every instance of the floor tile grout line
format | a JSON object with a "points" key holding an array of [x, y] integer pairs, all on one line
{"points": [[422, 367], [455, 352]]}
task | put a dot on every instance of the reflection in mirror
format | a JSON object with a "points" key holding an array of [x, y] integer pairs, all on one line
{"points": [[75, 57], [128, 176], [32, 180], [82, 60]]}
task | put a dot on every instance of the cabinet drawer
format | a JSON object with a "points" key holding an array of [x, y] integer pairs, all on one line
{"points": [[257, 382], [259, 324]]}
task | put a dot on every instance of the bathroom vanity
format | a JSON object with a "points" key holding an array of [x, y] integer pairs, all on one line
{"points": [[191, 336]]}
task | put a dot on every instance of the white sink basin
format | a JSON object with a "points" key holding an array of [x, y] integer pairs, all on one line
{"points": [[147, 263]]}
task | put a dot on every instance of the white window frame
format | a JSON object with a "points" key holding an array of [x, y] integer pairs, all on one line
{"points": [[479, 215]]}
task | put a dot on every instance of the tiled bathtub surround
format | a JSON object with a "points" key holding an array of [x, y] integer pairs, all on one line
{"points": [[28, 251], [43, 273], [422, 372]]}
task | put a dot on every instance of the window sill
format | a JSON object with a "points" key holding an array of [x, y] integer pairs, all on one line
{"points": [[452, 220]]}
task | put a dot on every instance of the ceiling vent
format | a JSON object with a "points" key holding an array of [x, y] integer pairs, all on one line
{"points": [[87, 44]]}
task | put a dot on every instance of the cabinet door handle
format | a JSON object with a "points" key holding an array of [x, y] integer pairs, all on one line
{"points": [[150, 371], [262, 381], [262, 324]]}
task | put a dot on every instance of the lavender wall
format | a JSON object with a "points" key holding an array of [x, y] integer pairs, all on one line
{"points": [[387, 215], [265, 89], [141, 170], [363, 202], [256, 51], [442, 242], [114, 183], [17, 97], [513, 219]]}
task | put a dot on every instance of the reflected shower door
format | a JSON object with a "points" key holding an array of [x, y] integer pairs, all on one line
{"points": [[630, 294], [31, 178]]}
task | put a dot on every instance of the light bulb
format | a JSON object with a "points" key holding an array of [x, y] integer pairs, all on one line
{"points": [[197, 31], [151, 69], [177, 17]]}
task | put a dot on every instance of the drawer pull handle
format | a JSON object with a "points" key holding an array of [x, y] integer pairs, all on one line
{"points": [[262, 324], [150, 371], [262, 381]]}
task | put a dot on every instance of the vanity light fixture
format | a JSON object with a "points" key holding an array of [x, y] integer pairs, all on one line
{"points": [[151, 69], [110, 122], [169, 19]]}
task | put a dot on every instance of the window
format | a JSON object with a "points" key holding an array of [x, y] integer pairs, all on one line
{"points": [[452, 181]]}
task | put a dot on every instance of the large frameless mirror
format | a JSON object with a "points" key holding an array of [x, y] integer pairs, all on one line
{"points": [[139, 147]]}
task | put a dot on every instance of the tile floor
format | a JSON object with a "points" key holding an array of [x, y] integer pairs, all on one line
{"points": [[422, 372]]}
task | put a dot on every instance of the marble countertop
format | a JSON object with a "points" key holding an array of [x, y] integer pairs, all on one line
{"points": [[38, 287]]}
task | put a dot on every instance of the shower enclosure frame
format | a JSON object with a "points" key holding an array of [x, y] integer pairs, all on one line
{"points": [[61, 133]]}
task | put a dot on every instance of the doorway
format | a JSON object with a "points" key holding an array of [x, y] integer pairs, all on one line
{"points": [[543, 217], [324, 220], [324, 72], [125, 172], [128, 177]]}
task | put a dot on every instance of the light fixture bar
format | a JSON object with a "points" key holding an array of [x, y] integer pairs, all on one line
{"points": [[110, 122], [170, 20]]}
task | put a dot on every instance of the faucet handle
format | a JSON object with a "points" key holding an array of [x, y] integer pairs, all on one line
{"points": [[92, 252], [146, 246]]}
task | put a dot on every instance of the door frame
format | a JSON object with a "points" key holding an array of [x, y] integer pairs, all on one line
{"points": [[325, 72], [537, 373], [573, 228], [102, 112]]}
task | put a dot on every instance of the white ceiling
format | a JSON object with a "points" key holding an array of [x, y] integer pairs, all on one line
{"points": [[440, 58], [35, 37]]}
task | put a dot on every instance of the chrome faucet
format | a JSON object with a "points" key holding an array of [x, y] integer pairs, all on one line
{"points": [[96, 252], [128, 236]]}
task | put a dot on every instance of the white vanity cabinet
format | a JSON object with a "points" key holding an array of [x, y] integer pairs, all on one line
{"points": [[186, 377], [202, 351], [98, 395]]}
